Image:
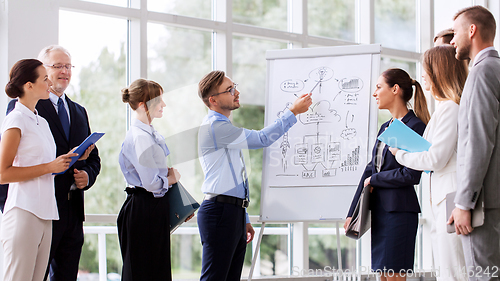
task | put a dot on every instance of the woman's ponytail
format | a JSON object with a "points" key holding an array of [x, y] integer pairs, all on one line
{"points": [[420, 103]]}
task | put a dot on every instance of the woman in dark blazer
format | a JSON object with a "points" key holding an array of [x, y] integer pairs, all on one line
{"points": [[393, 202]]}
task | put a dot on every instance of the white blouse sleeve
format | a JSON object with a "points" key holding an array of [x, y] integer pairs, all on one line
{"points": [[444, 142]]}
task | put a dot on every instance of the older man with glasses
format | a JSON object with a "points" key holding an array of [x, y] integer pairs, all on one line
{"points": [[224, 225]]}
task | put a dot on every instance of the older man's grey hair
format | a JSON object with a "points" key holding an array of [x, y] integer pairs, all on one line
{"points": [[44, 53]]}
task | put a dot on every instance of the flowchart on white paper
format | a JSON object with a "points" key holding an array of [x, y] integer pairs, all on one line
{"points": [[328, 145]]}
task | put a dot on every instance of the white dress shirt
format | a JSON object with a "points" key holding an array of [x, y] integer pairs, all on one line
{"points": [[54, 99], [37, 146]]}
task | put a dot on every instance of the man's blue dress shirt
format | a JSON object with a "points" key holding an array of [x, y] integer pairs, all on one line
{"points": [[218, 138]]}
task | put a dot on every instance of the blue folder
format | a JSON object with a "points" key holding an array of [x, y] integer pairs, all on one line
{"points": [[401, 136], [90, 140]]}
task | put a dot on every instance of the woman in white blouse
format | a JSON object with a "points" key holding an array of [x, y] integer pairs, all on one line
{"points": [[445, 78], [27, 161]]}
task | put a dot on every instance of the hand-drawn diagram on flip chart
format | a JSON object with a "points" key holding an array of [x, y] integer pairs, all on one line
{"points": [[328, 145], [311, 172]]}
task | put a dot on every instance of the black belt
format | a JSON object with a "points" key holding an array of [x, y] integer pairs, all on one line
{"points": [[139, 190], [243, 203]]}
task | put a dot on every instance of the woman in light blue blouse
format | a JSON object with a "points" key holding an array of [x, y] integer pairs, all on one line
{"points": [[143, 222]]}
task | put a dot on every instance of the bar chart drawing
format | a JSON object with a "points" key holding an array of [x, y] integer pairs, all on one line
{"points": [[351, 161]]}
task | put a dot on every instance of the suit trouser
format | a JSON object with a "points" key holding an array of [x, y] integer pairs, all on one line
{"points": [[482, 248], [66, 247], [447, 247], [223, 236], [26, 242]]}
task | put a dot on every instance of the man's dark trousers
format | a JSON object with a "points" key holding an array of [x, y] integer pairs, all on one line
{"points": [[223, 236]]}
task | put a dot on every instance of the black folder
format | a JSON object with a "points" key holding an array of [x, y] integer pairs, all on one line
{"points": [[181, 205]]}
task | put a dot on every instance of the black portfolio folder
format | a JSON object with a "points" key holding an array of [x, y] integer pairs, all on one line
{"points": [[181, 205]]}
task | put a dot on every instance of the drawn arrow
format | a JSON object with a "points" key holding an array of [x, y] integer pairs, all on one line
{"points": [[337, 95]]}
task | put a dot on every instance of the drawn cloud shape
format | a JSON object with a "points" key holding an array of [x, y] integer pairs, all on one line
{"points": [[320, 112], [348, 133], [292, 85]]}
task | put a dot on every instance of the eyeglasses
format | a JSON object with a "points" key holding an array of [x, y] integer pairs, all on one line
{"points": [[60, 66], [231, 91]]}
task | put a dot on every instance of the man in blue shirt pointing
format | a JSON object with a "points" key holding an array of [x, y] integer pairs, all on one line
{"points": [[224, 225]]}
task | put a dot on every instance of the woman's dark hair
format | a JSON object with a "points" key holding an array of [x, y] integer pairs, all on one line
{"points": [[22, 72], [400, 77]]}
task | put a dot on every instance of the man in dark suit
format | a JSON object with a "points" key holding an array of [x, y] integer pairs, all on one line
{"points": [[69, 125]]}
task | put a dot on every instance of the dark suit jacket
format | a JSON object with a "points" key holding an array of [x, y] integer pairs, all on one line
{"points": [[394, 184], [79, 131]]}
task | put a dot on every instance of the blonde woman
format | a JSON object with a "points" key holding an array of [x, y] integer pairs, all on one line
{"points": [[445, 78]]}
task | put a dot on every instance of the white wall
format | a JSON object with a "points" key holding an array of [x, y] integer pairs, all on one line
{"points": [[26, 26]]}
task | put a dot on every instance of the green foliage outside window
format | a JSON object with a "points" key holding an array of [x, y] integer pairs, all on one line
{"points": [[100, 83]]}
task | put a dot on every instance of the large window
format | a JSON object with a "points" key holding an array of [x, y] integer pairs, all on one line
{"points": [[263, 13], [191, 8], [177, 59], [249, 67], [335, 19], [445, 11], [97, 47], [395, 24], [121, 3]]}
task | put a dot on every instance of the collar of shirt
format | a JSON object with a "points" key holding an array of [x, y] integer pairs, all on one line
{"points": [[482, 52], [217, 116], [159, 139], [26, 111], [54, 99]]}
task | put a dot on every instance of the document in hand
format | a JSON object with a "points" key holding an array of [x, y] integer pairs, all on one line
{"points": [[477, 214], [90, 140], [361, 217], [181, 205], [401, 136]]}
